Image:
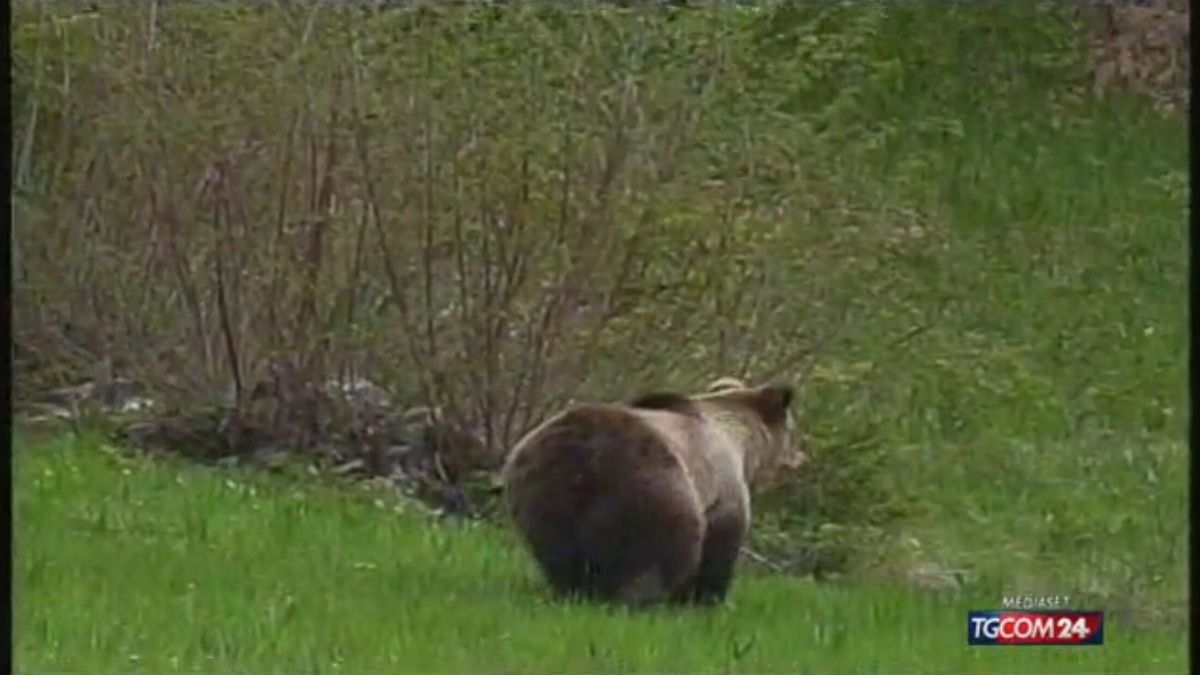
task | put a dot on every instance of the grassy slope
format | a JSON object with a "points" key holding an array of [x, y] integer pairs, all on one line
{"points": [[1040, 418], [1038, 422], [139, 565]]}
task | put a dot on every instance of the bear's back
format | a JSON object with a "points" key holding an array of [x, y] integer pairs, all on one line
{"points": [[606, 440]]}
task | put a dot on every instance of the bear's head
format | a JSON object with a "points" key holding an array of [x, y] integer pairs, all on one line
{"points": [[773, 452]]}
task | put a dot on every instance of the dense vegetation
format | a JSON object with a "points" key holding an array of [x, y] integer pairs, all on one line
{"points": [[923, 215]]}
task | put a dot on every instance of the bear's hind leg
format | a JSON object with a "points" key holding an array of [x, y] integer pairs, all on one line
{"points": [[559, 558], [722, 543], [567, 573]]}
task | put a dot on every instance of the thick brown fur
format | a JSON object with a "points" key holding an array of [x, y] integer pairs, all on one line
{"points": [[661, 400], [648, 501]]}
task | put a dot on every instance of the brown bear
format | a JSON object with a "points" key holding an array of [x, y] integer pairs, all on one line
{"points": [[648, 501]]}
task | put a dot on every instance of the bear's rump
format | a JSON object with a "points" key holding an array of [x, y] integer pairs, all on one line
{"points": [[606, 506], [643, 538]]}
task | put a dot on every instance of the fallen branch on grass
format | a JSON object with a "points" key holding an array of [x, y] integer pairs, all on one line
{"points": [[763, 560]]}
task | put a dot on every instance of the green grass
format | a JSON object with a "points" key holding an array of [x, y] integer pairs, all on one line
{"points": [[131, 564]]}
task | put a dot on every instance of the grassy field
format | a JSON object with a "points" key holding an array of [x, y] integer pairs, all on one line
{"points": [[126, 564], [941, 174]]}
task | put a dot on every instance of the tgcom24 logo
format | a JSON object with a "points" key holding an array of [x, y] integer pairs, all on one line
{"points": [[1035, 627]]}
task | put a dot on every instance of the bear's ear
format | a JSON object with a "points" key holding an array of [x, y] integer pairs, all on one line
{"points": [[725, 384], [772, 401], [664, 401]]}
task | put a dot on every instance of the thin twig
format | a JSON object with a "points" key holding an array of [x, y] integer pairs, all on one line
{"points": [[763, 560]]}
